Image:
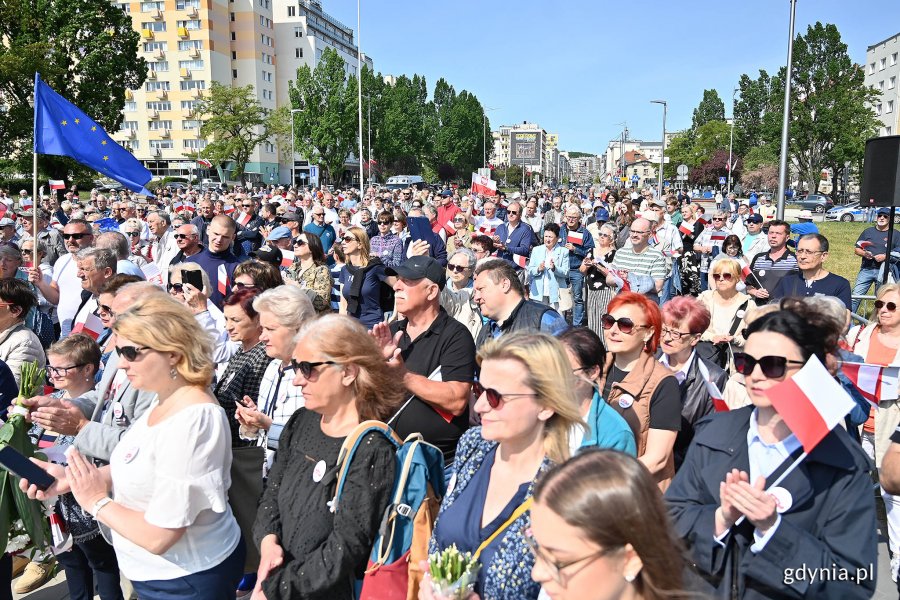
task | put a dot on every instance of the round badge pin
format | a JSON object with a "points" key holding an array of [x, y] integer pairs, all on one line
{"points": [[118, 410], [626, 400], [319, 471], [131, 454], [783, 499], [762, 272]]}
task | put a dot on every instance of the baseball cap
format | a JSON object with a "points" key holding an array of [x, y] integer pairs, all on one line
{"points": [[420, 267], [268, 254], [601, 214], [5, 222], [805, 214], [755, 219], [290, 216], [883, 211], [658, 202], [446, 193], [279, 233], [650, 216]]}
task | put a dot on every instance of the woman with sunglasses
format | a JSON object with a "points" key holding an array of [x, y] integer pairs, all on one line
{"points": [[605, 427], [637, 386], [597, 293], [365, 289], [72, 365], [599, 531], [461, 237], [257, 274], [387, 245], [731, 249], [728, 309], [528, 412], [684, 321], [742, 533], [172, 528], [310, 271], [282, 311], [548, 268], [308, 550]]}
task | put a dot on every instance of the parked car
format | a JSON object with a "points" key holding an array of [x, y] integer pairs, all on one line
{"points": [[815, 202], [849, 213]]}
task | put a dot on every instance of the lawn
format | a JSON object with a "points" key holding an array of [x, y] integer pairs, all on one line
{"points": [[842, 239]]}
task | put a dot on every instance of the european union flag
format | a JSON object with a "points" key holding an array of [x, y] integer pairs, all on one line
{"points": [[61, 128]]}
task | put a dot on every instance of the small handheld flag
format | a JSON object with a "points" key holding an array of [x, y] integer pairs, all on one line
{"points": [[520, 260]]}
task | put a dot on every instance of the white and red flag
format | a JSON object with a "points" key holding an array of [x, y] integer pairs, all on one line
{"points": [[222, 279], [26, 203], [574, 237], [243, 219], [287, 258], [718, 236], [715, 394], [864, 244], [874, 382], [228, 209], [483, 185], [92, 326], [811, 403], [56, 184], [685, 229], [520, 260]]}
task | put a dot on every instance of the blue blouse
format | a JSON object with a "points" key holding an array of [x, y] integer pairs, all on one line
{"points": [[461, 522]]}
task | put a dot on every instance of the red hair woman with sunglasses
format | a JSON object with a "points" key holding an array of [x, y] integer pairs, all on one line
{"points": [[644, 391], [747, 537]]}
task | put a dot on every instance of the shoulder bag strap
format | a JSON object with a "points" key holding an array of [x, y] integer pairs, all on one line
{"points": [[515, 515], [737, 320]]}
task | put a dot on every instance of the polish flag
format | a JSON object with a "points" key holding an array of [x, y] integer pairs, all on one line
{"points": [[177, 206], [228, 209], [92, 326], [620, 280], [718, 236], [3, 209], [574, 237], [287, 258], [874, 382], [520, 260], [864, 244], [26, 203], [702, 221], [57, 184], [684, 229], [483, 185], [222, 276], [486, 230], [204, 163], [243, 219], [811, 403]]}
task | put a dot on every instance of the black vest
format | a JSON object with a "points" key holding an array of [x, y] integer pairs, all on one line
{"points": [[526, 316]]}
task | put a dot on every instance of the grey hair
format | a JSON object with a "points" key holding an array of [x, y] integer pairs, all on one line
{"points": [[430, 209], [610, 228], [104, 258], [162, 215], [39, 244], [194, 229], [116, 242], [719, 213], [831, 307], [290, 306], [470, 256], [11, 251]]}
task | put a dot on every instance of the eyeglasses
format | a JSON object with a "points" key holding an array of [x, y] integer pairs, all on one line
{"points": [[246, 206], [456, 268], [102, 308], [721, 276], [133, 234], [61, 371], [299, 242], [321, 214], [881, 216], [75, 236], [674, 333], [805, 252], [348, 238], [718, 218], [130, 352], [178, 288], [772, 367], [180, 236], [240, 285], [385, 222], [635, 231], [512, 212], [625, 324], [122, 209], [494, 398], [305, 368], [879, 304], [556, 566]]}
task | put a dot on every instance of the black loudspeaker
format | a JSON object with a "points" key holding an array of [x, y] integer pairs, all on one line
{"points": [[881, 172]]}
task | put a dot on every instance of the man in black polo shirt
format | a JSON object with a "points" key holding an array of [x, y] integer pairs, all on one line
{"points": [[769, 267], [434, 355]]}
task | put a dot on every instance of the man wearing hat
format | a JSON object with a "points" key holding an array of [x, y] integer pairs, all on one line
{"points": [[432, 353], [805, 226], [280, 237], [8, 232], [292, 220], [754, 240], [51, 237], [446, 210], [871, 247]]}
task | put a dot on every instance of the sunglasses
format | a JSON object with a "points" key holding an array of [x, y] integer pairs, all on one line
{"points": [[130, 352], [105, 309], [879, 304], [720, 276], [299, 242], [75, 236], [512, 212], [456, 268], [180, 236], [494, 398], [385, 222], [240, 285], [772, 367], [178, 288], [246, 206], [348, 238], [133, 234], [305, 368], [718, 219], [625, 324]]}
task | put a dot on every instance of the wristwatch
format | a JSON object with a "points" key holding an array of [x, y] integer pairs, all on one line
{"points": [[98, 505]]}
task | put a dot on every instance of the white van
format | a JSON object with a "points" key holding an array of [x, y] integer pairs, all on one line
{"points": [[398, 182]]}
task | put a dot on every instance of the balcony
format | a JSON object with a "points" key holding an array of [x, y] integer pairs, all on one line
{"points": [[185, 73], [162, 94], [193, 12], [129, 95], [157, 15], [183, 32], [130, 133], [156, 152], [153, 114], [187, 113], [166, 133], [196, 93], [151, 75], [147, 34], [159, 55], [195, 53]]}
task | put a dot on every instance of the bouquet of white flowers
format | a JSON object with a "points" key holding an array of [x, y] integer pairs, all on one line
{"points": [[453, 573]]}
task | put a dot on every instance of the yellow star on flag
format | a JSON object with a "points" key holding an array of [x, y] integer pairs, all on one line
{"points": [[103, 143], [105, 158], [94, 128], [64, 123], [77, 121]]}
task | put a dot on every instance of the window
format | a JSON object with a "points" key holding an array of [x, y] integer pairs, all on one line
{"points": [[193, 85], [190, 45], [234, 73], [190, 124], [156, 26], [881, 64], [192, 25], [186, 4], [893, 59], [188, 104], [890, 107], [156, 86], [130, 106], [878, 109], [194, 65], [892, 82], [234, 57], [125, 7], [881, 86], [292, 11], [151, 6], [888, 130], [161, 144], [233, 36], [269, 147], [160, 66], [154, 46], [157, 125], [159, 105], [871, 68], [193, 144], [133, 145], [232, 17], [298, 32], [129, 125]]}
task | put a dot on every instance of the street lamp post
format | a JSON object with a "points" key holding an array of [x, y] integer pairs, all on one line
{"points": [[731, 144], [293, 154], [785, 123], [662, 151], [369, 124], [359, 91]]}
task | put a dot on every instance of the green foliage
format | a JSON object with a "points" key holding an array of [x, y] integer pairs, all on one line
{"points": [[760, 156], [236, 121], [711, 108], [86, 50]]}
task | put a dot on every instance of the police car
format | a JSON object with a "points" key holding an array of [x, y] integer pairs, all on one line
{"points": [[849, 213]]}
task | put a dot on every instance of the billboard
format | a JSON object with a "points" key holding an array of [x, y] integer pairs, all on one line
{"points": [[524, 146]]}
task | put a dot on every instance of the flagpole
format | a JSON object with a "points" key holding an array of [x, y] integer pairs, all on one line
{"points": [[34, 192], [775, 483]]}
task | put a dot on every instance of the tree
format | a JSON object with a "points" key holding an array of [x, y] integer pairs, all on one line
{"points": [[764, 177], [710, 137], [86, 50], [326, 128], [680, 152], [760, 156], [405, 134], [709, 171], [711, 108], [749, 112], [233, 117]]}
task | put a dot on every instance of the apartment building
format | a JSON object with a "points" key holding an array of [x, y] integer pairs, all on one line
{"points": [[883, 74]]}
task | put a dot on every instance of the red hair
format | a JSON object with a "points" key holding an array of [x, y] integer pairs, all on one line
{"points": [[687, 310], [650, 310]]}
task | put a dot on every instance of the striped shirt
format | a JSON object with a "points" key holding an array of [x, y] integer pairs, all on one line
{"points": [[770, 272], [650, 262]]}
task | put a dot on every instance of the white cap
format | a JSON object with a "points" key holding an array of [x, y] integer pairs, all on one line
{"points": [[650, 216]]}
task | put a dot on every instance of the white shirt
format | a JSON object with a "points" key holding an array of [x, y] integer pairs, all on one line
{"points": [[177, 473], [65, 274]]}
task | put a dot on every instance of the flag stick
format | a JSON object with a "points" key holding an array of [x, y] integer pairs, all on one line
{"points": [[34, 208], [780, 478]]}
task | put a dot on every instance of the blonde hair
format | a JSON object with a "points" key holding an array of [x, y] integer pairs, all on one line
{"points": [[362, 238], [549, 373], [727, 265], [887, 289], [344, 340], [163, 324], [290, 306]]}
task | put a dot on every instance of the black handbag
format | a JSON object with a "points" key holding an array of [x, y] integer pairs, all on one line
{"points": [[718, 353]]}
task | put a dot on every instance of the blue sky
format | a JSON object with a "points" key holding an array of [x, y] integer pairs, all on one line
{"points": [[579, 68]]}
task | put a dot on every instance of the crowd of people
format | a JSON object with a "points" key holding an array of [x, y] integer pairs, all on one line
{"points": [[592, 365]]}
